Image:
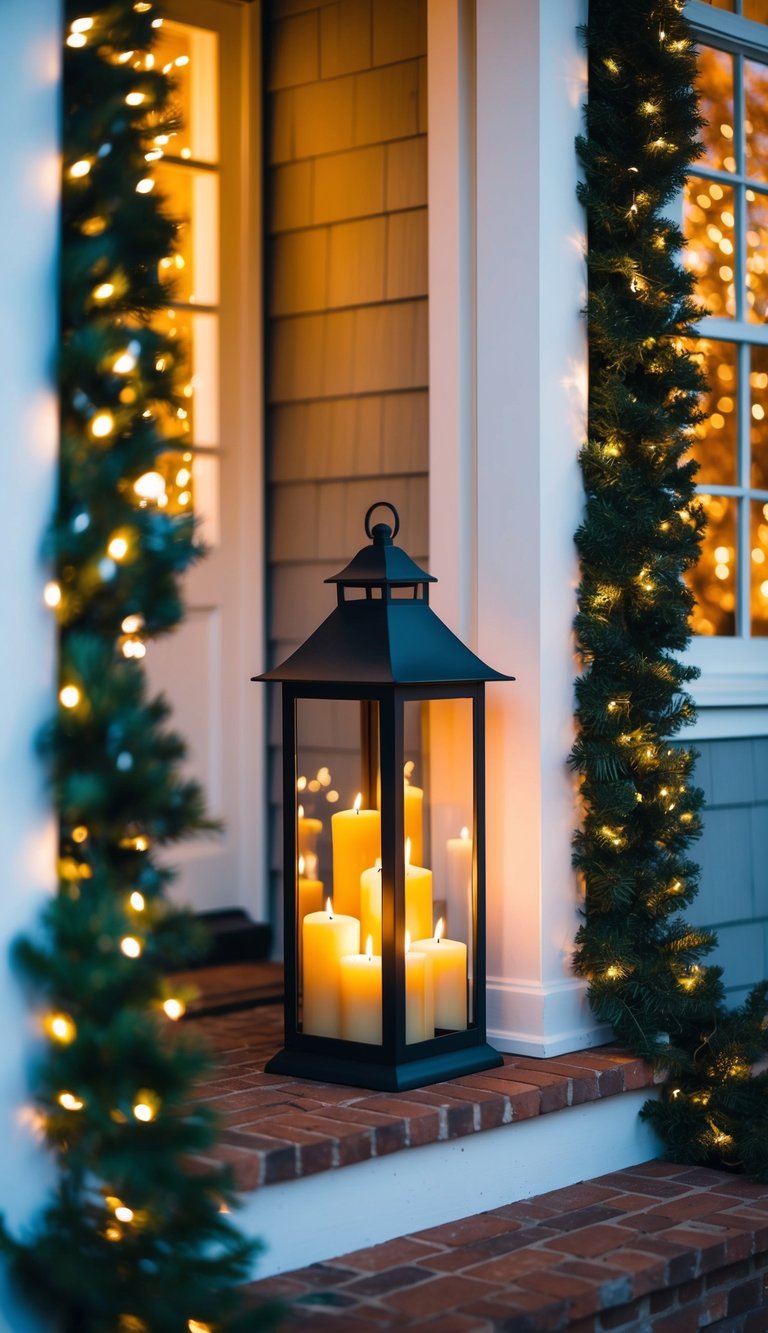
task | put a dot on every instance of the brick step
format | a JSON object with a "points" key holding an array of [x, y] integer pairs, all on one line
{"points": [[277, 1128], [656, 1248]]}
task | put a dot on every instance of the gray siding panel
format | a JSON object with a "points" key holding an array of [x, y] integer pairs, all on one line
{"points": [[733, 854], [347, 365]]}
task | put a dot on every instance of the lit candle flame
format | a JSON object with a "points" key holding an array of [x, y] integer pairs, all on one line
{"points": [[407, 852], [439, 931], [358, 803], [407, 941], [369, 948], [329, 908], [301, 865], [465, 834]]}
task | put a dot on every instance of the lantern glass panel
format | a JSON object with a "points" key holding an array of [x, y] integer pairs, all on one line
{"points": [[338, 844], [439, 819]]}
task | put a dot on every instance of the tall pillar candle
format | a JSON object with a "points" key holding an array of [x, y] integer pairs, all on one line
{"points": [[413, 818], [458, 883], [326, 938], [308, 833], [449, 979], [356, 837]]}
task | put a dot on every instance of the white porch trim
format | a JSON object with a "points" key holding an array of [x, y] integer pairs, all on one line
{"points": [[29, 103], [507, 417]]}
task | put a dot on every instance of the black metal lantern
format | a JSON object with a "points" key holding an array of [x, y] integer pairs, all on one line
{"points": [[384, 896]]}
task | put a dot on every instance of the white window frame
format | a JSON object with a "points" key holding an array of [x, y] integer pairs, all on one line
{"points": [[734, 670]]}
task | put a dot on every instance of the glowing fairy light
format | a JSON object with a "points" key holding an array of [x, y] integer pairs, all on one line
{"points": [[102, 425]]}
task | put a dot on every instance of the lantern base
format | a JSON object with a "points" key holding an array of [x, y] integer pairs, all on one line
{"points": [[385, 1078]]}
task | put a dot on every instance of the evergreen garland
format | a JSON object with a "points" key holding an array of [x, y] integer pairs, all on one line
{"points": [[641, 530], [132, 1240]]}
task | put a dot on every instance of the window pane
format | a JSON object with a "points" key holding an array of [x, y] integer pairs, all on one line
{"points": [[758, 394], [715, 88], [709, 225], [713, 581], [757, 10], [759, 568], [756, 119], [716, 446], [757, 267], [197, 367], [192, 198], [190, 55], [730, 5]]}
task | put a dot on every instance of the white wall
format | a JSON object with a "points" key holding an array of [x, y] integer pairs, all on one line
{"points": [[29, 112], [507, 417]]}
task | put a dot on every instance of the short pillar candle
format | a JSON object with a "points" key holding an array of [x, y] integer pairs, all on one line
{"points": [[360, 988], [449, 978]]}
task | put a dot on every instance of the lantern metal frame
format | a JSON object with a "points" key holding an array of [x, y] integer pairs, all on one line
{"points": [[338, 651]]}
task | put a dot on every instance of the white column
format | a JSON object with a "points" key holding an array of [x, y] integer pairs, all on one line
{"points": [[528, 371], [29, 113]]}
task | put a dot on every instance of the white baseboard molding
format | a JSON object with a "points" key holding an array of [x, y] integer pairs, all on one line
{"points": [[542, 1018]]}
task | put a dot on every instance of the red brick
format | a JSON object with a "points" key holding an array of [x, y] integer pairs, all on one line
{"points": [[456, 1117], [385, 1281], [582, 1083], [620, 1317], [570, 1197], [659, 1301], [465, 1230], [648, 1271], [682, 1321], [436, 1294], [745, 1298], [402, 1250], [456, 1323], [591, 1241], [509, 1267], [524, 1099]]}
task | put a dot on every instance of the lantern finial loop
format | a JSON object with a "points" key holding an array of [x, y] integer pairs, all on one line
{"points": [[381, 533]]}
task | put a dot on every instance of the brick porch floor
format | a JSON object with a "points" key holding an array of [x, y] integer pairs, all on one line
{"points": [[657, 1248]]}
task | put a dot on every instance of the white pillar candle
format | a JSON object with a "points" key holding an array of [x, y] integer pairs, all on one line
{"points": [[356, 836], [449, 978], [458, 883], [326, 938], [360, 986]]}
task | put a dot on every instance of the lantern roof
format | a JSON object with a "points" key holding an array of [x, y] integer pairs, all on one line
{"points": [[390, 634]]}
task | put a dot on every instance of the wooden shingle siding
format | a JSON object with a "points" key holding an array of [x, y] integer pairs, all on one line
{"points": [[733, 854], [346, 282]]}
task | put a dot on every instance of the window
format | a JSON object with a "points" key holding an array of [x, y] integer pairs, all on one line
{"points": [[188, 176], [725, 219]]}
